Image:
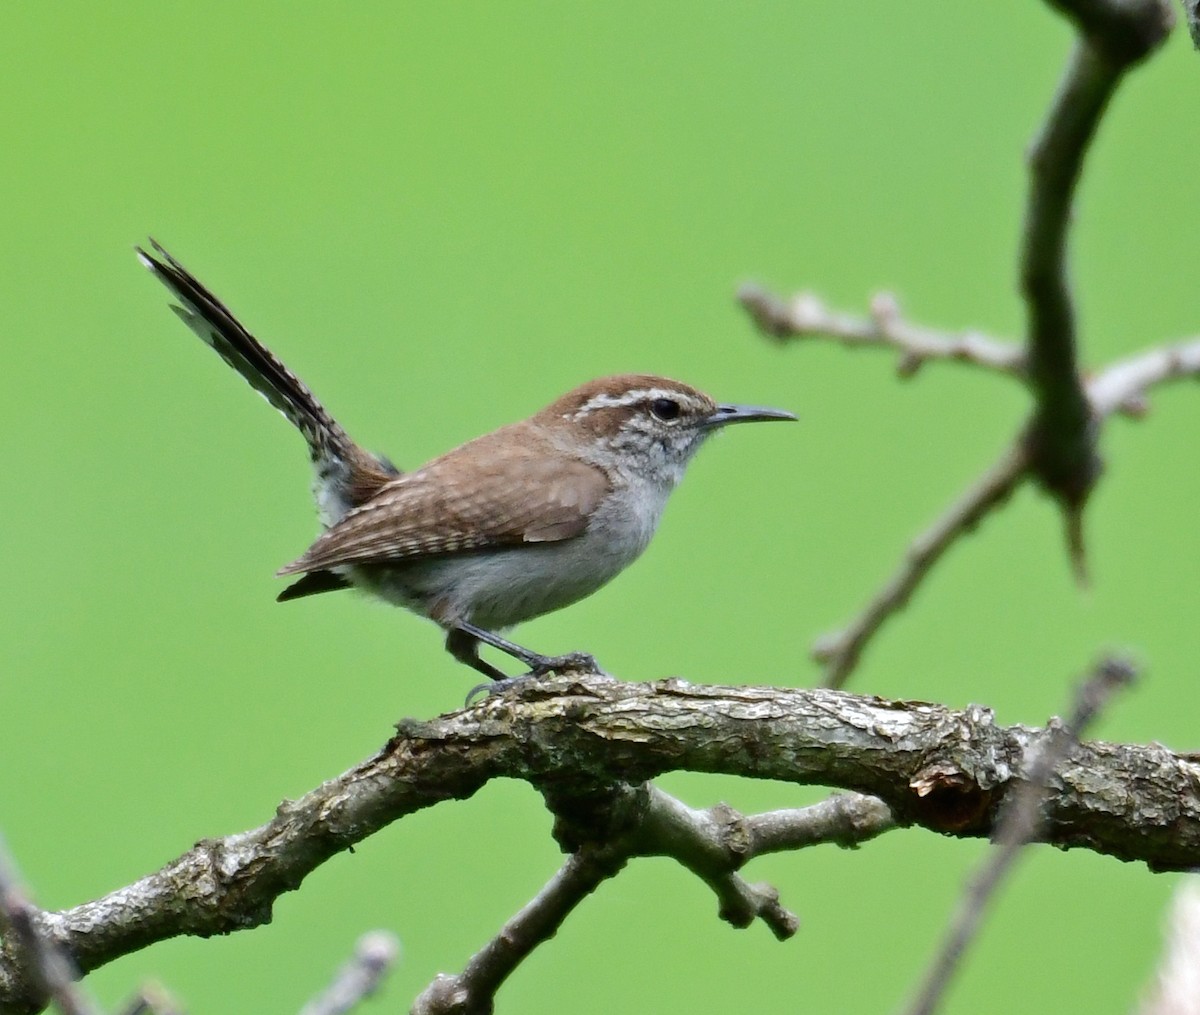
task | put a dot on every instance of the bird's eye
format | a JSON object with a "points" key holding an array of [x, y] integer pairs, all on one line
{"points": [[665, 409]]}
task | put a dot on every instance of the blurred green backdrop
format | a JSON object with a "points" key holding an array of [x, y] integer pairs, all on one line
{"points": [[443, 216]]}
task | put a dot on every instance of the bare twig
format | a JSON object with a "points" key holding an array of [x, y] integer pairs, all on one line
{"points": [[1118, 387], [840, 652], [1017, 827], [1126, 381], [844, 819], [806, 316], [472, 990], [1059, 446], [713, 844], [374, 955], [47, 971], [945, 770]]}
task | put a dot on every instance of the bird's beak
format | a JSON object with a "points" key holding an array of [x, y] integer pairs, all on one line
{"points": [[727, 414]]}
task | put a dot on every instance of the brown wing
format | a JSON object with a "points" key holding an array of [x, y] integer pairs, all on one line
{"points": [[492, 492]]}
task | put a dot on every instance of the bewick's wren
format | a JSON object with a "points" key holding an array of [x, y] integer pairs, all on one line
{"points": [[516, 523]]}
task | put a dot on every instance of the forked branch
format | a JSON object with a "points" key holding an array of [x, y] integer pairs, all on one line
{"points": [[1058, 447], [712, 844], [949, 771]]}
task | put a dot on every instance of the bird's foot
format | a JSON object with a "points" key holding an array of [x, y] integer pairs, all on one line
{"points": [[572, 662], [539, 666]]}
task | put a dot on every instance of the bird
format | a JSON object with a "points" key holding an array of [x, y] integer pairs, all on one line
{"points": [[519, 522]]}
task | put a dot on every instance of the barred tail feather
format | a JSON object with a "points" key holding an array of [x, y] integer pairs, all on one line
{"points": [[212, 321]]}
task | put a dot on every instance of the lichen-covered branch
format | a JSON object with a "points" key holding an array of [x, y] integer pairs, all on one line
{"points": [[946, 770]]}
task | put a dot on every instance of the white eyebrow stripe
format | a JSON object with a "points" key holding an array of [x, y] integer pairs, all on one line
{"points": [[607, 401]]}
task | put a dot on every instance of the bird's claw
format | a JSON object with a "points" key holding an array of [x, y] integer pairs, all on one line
{"points": [[494, 687], [542, 666]]}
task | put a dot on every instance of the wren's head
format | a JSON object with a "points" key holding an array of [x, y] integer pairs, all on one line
{"points": [[649, 425]]}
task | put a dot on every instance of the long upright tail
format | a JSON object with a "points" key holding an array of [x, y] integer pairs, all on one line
{"points": [[346, 474]]}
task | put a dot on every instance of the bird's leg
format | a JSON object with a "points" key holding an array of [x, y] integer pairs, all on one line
{"points": [[464, 646], [462, 643]]}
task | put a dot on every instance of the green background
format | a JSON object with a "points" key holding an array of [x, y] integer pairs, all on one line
{"points": [[442, 216]]}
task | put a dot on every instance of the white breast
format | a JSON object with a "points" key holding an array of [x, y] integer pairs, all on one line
{"points": [[496, 589]]}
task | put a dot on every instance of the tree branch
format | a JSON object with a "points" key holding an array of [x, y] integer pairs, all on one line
{"points": [[1126, 381], [1116, 388], [1125, 31], [1059, 445], [42, 970], [805, 316], [714, 843], [841, 651], [946, 770], [472, 990], [1114, 35], [1061, 438], [628, 822]]}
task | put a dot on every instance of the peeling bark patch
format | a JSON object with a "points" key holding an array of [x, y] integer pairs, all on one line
{"points": [[948, 800]]}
